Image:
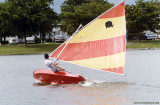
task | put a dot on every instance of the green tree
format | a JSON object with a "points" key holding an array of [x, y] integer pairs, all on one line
{"points": [[74, 13], [31, 16], [43, 17], [6, 21], [142, 16], [68, 5]]}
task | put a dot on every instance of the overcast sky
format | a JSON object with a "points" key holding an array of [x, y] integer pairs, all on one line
{"points": [[57, 3]]}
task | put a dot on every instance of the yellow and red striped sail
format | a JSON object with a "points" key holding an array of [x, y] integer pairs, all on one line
{"points": [[101, 44]]}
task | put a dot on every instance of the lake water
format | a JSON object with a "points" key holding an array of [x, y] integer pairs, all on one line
{"points": [[141, 85]]}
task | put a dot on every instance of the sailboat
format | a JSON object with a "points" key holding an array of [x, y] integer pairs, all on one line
{"points": [[99, 45]]}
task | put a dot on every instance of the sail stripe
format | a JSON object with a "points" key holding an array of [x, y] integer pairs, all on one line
{"points": [[98, 31], [115, 12], [119, 70], [91, 49], [105, 62], [100, 44]]}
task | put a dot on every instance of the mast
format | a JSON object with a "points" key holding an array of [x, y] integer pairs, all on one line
{"points": [[68, 42]]}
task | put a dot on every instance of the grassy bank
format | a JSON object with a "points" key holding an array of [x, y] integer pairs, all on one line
{"points": [[20, 49], [143, 44]]}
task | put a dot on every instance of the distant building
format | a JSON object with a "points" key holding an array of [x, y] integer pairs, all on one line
{"points": [[14, 39], [57, 30], [49, 36]]}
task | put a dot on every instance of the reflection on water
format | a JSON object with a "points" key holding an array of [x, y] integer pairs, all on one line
{"points": [[141, 83], [94, 83], [41, 84], [92, 92]]}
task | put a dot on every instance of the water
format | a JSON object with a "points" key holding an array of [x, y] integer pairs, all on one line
{"points": [[141, 83]]}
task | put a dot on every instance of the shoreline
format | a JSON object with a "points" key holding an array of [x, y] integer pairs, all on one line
{"points": [[25, 54], [128, 49], [32, 49], [142, 49]]}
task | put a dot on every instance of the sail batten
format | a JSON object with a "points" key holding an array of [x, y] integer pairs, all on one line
{"points": [[101, 44]]}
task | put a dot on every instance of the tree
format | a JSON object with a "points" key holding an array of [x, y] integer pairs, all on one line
{"points": [[6, 21], [82, 12], [32, 16], [68, 5], [43, 16], [142, 16]]}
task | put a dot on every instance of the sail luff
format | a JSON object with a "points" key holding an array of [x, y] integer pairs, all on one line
{"points": [[65, 41], [68, 42], [59, 46]]}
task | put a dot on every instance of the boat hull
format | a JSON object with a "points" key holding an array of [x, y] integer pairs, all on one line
{"points": [[48, 76]]}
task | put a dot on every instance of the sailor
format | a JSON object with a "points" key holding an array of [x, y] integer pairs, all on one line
{"points": [[51, 65]]}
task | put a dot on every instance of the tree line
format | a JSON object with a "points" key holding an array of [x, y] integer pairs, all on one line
{"points": [[144, 15], [141, 16], [28, 17]]}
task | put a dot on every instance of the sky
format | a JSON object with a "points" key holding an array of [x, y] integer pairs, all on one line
{"points": [[57, 3]]}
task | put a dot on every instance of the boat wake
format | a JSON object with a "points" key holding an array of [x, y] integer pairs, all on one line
{"points": [[93, 83], [39, 83], [86, 83], [100, 83]]}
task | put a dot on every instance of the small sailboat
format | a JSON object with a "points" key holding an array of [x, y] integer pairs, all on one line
{"points": [[99, 45]]}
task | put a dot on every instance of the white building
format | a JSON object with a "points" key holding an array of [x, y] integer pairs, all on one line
{"points": [[57, 31]]}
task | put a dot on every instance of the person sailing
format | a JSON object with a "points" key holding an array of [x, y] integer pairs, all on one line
{"points": [[53, 66]]}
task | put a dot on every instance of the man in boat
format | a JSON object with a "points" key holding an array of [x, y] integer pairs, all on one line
{"points": [[51, 65]]}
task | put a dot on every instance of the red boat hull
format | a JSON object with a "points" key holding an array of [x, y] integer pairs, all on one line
{"points": [[48, 76]]}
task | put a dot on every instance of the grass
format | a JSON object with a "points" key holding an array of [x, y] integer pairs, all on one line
{"points": [[20, 49], [143, 44]]}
